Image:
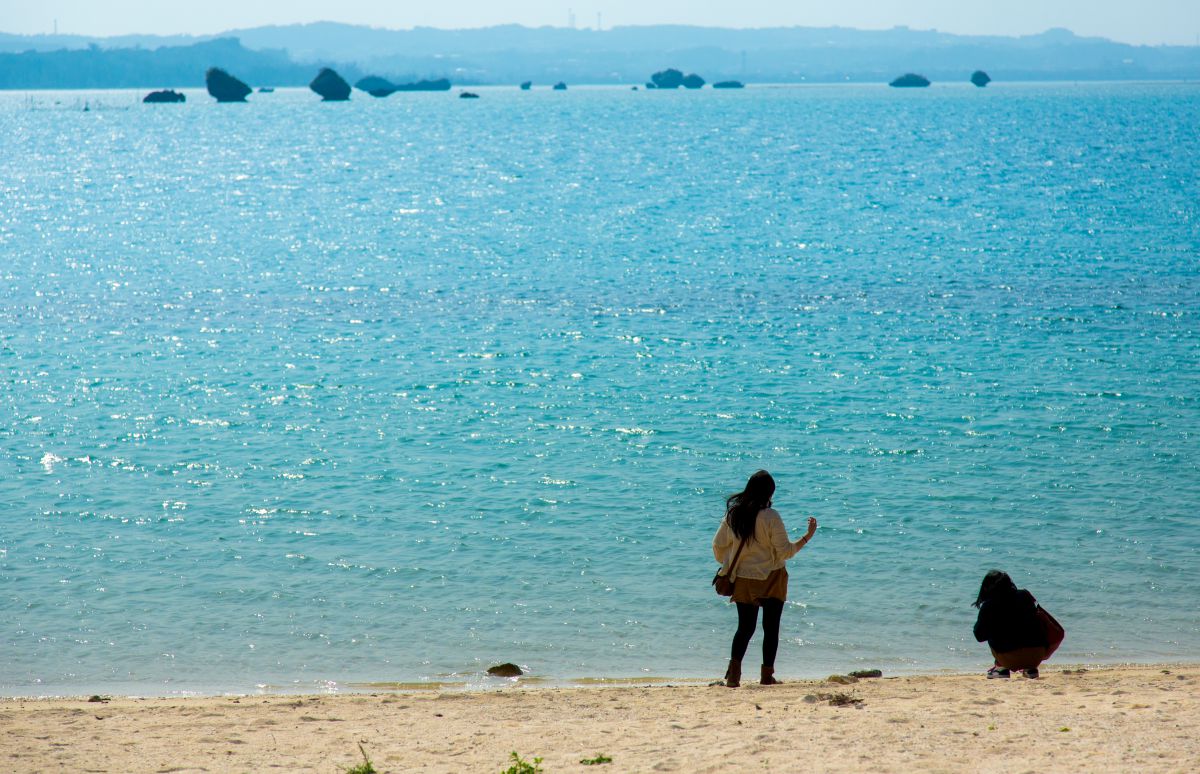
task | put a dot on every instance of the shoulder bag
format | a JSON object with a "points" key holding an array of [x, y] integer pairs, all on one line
{"points": [[1054, 631], [724, 583]]}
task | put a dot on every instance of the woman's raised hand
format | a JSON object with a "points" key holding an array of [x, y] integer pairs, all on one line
{"points": [[812, 529]]}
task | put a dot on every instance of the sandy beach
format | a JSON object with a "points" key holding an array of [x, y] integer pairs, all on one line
{"points": [[1110, 719]]}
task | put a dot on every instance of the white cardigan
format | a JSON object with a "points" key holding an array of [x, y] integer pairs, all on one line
{"points": [[766, 551]]}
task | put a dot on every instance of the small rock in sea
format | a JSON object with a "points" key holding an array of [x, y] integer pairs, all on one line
{"points": [[910, 81], [163, 97], [980, 78], [505, 670], [525, 85], [861, 673], [467, 95], [693, 81], [729, 85], [224, 87], [331, 86], [560, 86], [842, 679]]}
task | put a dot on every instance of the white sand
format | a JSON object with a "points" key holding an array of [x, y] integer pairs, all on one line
{"points": [[1135, 719]]}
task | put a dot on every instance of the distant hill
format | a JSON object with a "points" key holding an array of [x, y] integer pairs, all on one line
{"points": [[286, 55], [94, 67]]}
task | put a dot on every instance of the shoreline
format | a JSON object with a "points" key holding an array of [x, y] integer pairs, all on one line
{"points": [[1125, 718], [482, 683]]}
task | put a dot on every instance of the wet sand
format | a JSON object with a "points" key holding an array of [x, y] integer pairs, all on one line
{"points": [[1109, 719]]}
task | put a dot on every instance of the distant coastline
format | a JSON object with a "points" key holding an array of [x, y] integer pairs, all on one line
{"points": [[511, 54]]}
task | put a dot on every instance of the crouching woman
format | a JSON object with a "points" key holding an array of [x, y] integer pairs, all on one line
{"points": [[1008, 620]]}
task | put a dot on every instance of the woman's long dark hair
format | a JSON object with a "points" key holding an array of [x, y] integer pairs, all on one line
{"points": [[995, 583], [741, 509]]}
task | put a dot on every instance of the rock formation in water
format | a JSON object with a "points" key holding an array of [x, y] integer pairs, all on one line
{"points": [[467, 95], [164, 96], [382, 87], [224, 87], [560, 86], [910, 81], [505, 670], [673, 79], [375, 86], [666, 79], [331, 86], [525, 85], [440, 84], [729, 85], [980, 78]]}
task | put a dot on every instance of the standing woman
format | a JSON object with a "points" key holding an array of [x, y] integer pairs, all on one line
{"points": [[760, 578]]}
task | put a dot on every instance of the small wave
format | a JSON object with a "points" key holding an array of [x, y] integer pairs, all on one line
{"points": [[49, 460], [209, 422]]}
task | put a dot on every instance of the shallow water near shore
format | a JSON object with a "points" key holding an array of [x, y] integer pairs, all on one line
{"points": [[308, 395]]}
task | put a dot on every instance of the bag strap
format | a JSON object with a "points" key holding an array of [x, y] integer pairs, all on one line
{"points": [[736, 556]]}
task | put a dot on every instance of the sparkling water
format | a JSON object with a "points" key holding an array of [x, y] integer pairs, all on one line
{"points": [[299, 395]]}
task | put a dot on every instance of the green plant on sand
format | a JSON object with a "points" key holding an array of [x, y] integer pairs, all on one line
{"points": [[366, 767], [600, 758], [520, 766]]}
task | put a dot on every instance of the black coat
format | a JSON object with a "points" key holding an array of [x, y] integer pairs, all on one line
{"points": [[1009, 621]]}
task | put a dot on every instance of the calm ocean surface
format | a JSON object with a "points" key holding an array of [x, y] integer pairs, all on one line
{"points": [[299, 395]]}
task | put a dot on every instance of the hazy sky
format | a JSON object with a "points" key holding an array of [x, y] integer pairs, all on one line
{"points": [[1132, 21]]}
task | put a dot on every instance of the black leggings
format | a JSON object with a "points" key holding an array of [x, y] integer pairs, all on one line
{"points": [[748, 621]]}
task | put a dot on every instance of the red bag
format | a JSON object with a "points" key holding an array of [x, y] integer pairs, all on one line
{"points": [[1053, 629]]}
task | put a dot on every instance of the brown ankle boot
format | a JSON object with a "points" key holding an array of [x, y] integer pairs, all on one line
{"points": [[768, 676], [733, 675]]}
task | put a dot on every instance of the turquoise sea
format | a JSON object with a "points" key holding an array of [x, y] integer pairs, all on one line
{"points": [[300, 396]]}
